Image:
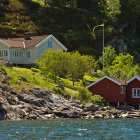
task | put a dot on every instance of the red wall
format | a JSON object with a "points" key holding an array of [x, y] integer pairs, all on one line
{"points": [[133, 84], [109, 90]]}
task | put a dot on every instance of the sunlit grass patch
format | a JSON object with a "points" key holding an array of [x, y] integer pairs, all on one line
{"points": [[71, 92], [32, 79]]}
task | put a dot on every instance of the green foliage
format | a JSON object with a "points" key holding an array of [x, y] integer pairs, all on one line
{"points": [[122, 60], [84, 95], [54, 62], [63, 64], [109, 56], [87, 50], [110, 8], [97, 99], [58, 90], [78, 65], [33, 78], [20, 16], [35, 70]]}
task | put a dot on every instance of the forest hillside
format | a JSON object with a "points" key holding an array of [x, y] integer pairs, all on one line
{"points": [[72, 22]]}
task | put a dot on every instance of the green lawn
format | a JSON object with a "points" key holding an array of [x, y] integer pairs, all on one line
{"points": [[33, 79]]}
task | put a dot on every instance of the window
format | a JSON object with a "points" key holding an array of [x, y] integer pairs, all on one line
{"points": [[4, 53], [49, 44], [17, 53], [135, 92], [28, 54], [122, 90]]}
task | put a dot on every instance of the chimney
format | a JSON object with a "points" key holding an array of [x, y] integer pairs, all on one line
{"points": [[27, 36]]}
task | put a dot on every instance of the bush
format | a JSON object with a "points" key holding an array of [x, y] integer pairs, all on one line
{"points": [[84, 95], [87, 50], [58, 91], [97, 99]]}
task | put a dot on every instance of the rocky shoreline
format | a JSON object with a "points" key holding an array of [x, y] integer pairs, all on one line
{"points": [[39, 103]]}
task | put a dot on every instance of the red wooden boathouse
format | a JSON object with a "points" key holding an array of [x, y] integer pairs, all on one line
{"points": [[111, 89], [133, 91]]}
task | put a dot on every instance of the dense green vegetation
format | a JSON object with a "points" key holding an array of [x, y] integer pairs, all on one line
{"points": [[120, 66], [72, 24], [65, 64]]}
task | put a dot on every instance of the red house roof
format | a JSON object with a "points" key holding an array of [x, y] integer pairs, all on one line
{"points": [[23, 43]]}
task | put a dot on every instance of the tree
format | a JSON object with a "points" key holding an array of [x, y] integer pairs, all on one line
{"points": [[75, 3], [109, 56], [130, 12], [74, 66], [60, 63], [121, 66], [53, 62], [87, 65], [78, 65], [111, 8]]}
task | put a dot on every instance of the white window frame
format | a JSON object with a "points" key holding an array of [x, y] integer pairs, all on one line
{"points": [[3, 52], [122, 90], [135, 92], [17, 53]]}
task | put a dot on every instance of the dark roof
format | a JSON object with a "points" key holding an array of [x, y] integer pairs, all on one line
{"points": [[19, 42], [118, 80]]}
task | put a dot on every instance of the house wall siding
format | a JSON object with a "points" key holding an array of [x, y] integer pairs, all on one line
{"points": [[109, 90], [43, 47], [133, 84], [24, 60], [34, 52], [2, 47]]}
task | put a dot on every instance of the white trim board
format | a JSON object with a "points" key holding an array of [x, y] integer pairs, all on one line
{"points": [[51, 36], [136, 77], [103, 79], [5, 43]]}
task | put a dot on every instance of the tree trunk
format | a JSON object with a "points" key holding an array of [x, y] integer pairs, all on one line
{"points": [[75, 3], [55, 78], [45, 2], [73, 83], [83, 81]]}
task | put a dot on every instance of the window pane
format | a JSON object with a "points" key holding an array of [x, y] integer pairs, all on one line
{"points": [[28, 54]]}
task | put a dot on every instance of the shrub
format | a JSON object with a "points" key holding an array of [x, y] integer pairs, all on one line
{"points": [[58, 91], [84, 95], [87, 50], [97, 99]]}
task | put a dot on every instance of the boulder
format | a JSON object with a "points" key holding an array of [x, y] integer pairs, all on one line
{"points": [[91, 107], [125, 107]]}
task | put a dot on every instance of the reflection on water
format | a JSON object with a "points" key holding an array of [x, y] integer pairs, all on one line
{"points": [[71, 129]]}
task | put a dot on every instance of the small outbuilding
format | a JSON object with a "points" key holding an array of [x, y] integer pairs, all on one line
{"points": [[133, 91], [111, 89]]}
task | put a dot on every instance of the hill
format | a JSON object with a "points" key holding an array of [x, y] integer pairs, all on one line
{"points": [[72, 26]]}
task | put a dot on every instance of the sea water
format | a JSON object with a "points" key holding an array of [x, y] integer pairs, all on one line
{"points": [[108, 129]]}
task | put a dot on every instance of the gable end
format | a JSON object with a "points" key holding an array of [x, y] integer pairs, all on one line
{"points": [[105, 77], [51, 36], [133, 78]]}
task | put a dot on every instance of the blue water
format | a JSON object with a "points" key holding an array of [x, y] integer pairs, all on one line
{"points": [[127, 129]]}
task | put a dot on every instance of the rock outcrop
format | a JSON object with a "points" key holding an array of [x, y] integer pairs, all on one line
{"points": [[39, 103]]}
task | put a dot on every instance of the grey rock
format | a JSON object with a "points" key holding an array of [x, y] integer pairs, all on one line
{"points": [[91, 107]]}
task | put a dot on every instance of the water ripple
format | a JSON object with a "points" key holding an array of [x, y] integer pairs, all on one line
{"points": [[71, 130]]}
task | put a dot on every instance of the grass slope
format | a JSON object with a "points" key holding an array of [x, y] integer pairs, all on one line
{"points": [[24, 78]]}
